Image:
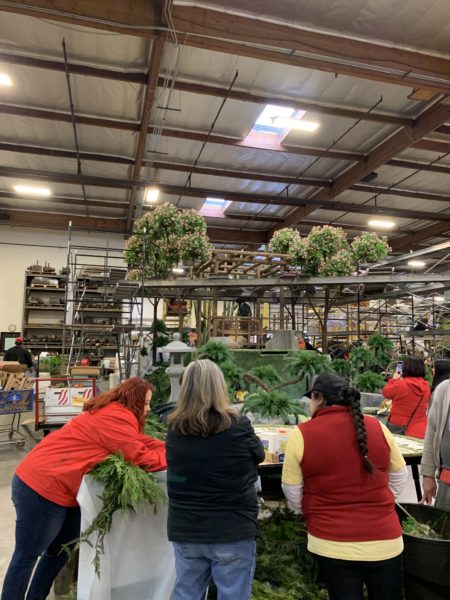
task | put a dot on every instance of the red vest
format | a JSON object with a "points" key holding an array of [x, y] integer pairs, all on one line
{"points": [[341, 501]]}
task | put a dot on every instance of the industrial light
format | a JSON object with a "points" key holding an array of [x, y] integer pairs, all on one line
{"points": [[295, 124], [151, 194], [379, 224], [30, 190], [417, 264], [439, 299], [5, 80]]}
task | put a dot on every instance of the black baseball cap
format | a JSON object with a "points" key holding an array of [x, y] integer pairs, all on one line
{"points": [[327, 383]]}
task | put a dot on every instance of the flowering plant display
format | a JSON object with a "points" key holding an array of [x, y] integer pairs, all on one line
{"points": [[369, 248], [284, 241], [164, 238]]}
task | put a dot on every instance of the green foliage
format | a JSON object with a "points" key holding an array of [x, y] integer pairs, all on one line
{"points": [[233, 376], [341, 367], [161, 340], [125, 486], [160, 326], [267, 374], [306, 363], [382, 348], [285, 570], [361, 358], [284, 240], [163, 238], [369, 248], [52, 364], [154, 428], [215, 351], [422, 530], [341, 265], [369, 382], [271, 404], [161, 385]]}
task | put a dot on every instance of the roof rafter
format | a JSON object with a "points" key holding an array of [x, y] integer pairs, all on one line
{"points": [[147, 106], [429, 120], [237, 34]]}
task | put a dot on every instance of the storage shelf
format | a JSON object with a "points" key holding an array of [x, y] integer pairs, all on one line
{"points": [[48, 275], [45, 289], [114, 310], [32, 307], [42, 326]]}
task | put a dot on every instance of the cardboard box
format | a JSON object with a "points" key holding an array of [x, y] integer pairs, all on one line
{"points": [[12, 366], [274, 457], [61, 414], [67, 397], [85, 371]]}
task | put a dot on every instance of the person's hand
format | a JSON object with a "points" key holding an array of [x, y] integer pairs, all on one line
{"points": [[429, 490], [397, 375]]}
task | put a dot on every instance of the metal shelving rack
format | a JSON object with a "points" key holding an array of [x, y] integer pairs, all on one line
{"points": [[101, 307]]}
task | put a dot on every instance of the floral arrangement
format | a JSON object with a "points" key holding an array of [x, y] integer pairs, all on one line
{"points": [[369, 248], [162, 239], [284, 241]]}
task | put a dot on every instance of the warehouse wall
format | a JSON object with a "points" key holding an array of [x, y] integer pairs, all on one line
{"points": [[22, 247]]}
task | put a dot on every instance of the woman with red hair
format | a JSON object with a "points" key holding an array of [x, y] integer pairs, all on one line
{"points": [[46, 482]]}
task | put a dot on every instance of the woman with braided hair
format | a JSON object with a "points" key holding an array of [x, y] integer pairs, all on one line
{"points": [[343, 470]]}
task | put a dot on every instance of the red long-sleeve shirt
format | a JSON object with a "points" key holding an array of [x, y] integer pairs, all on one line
{"points": [[55, 467], [405, 395]]}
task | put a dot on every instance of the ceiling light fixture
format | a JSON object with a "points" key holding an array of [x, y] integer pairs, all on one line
{"points": [[438, 298], [5, 80], [151, 194], [380, 224], [417, 264], [295, 124], [30, 190]]}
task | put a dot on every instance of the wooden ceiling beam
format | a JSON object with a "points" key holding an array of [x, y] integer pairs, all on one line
{"points": [[419, 166], [404, 138], [60, 221], [306, 204], [246, 36], [74, 68], [440, 146], [129, 17], [147, 106], [67, 200], [295, 103], [407, 242], [239, 236]]}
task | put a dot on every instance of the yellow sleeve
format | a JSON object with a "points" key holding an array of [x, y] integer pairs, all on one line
{"points": [[397, 461], [292, 473]]}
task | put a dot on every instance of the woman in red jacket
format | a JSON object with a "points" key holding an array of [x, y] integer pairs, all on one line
{"points": [[46, 482], [410, 393]]}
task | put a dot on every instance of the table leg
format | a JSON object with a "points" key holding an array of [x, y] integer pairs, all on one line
{"points": [[416, 477]]}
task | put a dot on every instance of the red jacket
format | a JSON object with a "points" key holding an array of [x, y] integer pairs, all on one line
{"points": [[405, 395], [55, 467], [341, 501]]}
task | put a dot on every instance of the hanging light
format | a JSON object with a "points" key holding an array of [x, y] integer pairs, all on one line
{"points": [[151, 194], [178, 270], [416, 264], [381, 224]]}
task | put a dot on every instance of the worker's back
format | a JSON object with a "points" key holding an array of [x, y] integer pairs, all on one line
{"points": [[20, 354]]}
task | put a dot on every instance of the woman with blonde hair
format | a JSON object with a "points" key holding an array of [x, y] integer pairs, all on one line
{"points": [[212, 454]]}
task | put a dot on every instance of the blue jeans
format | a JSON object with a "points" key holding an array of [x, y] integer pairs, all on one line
{"points": [[41, 528], [230, 566]]}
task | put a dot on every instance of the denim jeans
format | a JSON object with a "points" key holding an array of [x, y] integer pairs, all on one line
{"points": [[345, 578], [41, 528], [230, 566]]}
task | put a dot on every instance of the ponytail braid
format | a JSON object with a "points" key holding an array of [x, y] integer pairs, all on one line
{"points": [[352, 398]]}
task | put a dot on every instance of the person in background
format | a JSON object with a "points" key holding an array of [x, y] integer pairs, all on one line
{"points": [[346, 489], [243, 308], [436, 449], [410, 393], [46, 482], [441, 372], [212, 454], [305, 344], [422, 324], [19, 353]]}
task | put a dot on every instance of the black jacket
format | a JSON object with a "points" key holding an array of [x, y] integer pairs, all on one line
{"points": [[212, 497], [20, 354]]}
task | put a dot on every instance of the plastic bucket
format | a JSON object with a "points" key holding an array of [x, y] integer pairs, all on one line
{"points": [[426, 562]]}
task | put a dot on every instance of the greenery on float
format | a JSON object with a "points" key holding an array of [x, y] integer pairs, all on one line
{"points": [[382, 348], [155, 428], [307, 363], [285, 570], [164, 238], [369, 382], [125, 487], [411, 526], [161, 384], [341, 367], [271, 404]]}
